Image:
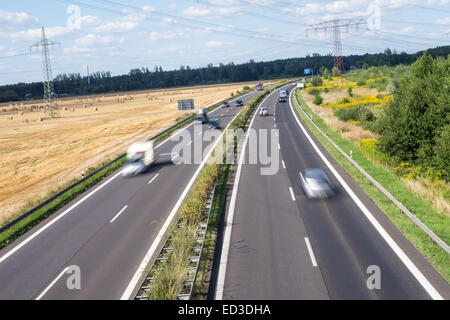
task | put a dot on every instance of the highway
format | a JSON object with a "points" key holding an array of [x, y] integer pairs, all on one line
{"points": [[109, 232], [277, 244]]}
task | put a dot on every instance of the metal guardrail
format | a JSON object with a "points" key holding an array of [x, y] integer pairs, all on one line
{"points": [[402, 208], [196, 257], [165, 252], [25, 215]]}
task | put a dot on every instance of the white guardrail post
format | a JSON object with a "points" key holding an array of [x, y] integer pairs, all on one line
{"points": [[402, 208]]}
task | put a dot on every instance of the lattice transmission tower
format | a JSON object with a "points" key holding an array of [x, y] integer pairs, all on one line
{"points": [[44, 45], [336, 25]]}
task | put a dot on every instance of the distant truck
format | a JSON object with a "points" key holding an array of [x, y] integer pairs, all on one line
{"points": [[202, 117], [283, 96], [140, 156]]}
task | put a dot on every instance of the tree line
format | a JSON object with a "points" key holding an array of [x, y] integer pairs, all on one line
{"points": [[144, 78]]}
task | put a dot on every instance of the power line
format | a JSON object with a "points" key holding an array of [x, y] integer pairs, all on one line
{"points": [[16, 55], [44, 45], [336, 25]]}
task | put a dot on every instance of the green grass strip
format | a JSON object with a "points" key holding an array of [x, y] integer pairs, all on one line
{"points": [[423, 210], [29, 222]]}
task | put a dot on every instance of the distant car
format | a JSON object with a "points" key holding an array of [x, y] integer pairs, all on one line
{"points": [[283, 96], [202, 116], [201, 119], [263, 111], [316, 185], [226, 104], [214, 124], [239, 103]]}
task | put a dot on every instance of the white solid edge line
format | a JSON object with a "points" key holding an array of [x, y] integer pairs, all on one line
{"points": [[218, 295], [292, 193], [45, 227], [184, 128], [34, 235], [119, 213], [284, 165], [311, 252], [137, 275], [51, 284], [398, 251]]}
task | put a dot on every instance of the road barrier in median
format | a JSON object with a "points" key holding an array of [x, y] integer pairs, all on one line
{"points": [[10, 225], [401, 207]]}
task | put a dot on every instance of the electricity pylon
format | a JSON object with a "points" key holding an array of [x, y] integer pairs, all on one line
{"points": [[336, 25], [44, 44]]}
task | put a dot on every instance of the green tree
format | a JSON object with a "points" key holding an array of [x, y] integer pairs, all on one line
{"points": [[336, 72], [317, 99], [316, 81], [442, 152], [418, 112]]}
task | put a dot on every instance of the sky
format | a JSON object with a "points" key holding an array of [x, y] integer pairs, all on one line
{"points": [[119, 35]]}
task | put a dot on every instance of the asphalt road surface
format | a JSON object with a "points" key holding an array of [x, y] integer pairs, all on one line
{"points": [[106, 232], [280, 245]]}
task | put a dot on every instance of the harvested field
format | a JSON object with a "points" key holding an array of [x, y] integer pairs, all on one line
{"points": [[38, 157]]}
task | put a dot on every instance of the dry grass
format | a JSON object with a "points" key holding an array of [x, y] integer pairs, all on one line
{"points": [[432, 194], [354, 133], [37, 157], [349, 130]]}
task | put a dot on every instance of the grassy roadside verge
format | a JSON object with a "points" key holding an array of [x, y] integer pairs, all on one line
{"points": [[36, 217], [422, 209], [218, 205], [169, 282]]}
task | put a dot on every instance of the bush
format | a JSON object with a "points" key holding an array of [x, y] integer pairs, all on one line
{"points": [[314, 92], [316, 81], [355, 113], [350, 92], [336, 72], [318, 99], [326, 90], [361, 83]]}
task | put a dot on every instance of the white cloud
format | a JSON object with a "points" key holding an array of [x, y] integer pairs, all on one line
{"points": [[216, 44], [92, 39], [154, 35], [443, 21], [117, 26], [89, 21], [14, 20], [36, 34], [205, 11]]}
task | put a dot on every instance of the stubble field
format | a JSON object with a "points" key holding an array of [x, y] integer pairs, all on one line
{"points": [[38, 157]]}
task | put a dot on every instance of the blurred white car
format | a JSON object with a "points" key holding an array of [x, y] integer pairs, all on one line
{"points": [[263, 111], [316, 184]]}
